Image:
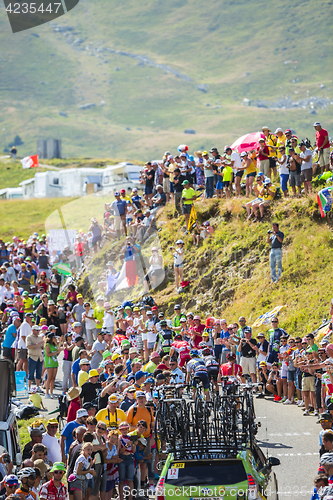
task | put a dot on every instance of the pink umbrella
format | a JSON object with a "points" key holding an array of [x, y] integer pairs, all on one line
{"points": [[248, 142]]}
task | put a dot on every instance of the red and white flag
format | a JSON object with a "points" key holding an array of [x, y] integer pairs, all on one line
{"points": [[30, 161]]}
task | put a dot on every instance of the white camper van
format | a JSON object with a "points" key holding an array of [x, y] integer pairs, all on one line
{"points": [[125, 175], [72, 182]]}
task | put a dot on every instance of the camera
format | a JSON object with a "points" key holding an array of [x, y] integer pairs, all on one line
{"points": [[269, 231], [260, 369], [6, 459]]}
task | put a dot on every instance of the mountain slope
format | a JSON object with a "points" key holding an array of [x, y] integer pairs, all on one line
{"points": [[261, 51]]}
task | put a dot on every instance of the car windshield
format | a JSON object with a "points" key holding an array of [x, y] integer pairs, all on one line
{"points": [[210, 472], [3, 440], [134, 176]]}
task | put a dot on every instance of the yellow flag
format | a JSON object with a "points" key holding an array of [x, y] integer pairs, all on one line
{"points": [[193, 219]]}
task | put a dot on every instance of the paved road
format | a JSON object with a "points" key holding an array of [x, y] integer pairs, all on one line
{"points": [[292, 438], [285, 434]]}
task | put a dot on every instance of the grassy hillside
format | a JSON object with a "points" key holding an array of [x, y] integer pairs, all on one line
{"points": [[230, 274], [256, 50]]}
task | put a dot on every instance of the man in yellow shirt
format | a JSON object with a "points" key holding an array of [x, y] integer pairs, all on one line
{"points": [[83, 375], [27, 303], [268, 194], [111, 415], [188, 196], [271, 142]]}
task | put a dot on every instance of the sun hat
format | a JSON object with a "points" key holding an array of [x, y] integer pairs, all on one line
{"points": [[41, 465], [84, 361], [73, 392], [154, 354], [115, 356], [93, 373], [197, 317], [58, 466], [133, 350], [52, 421], [113, 398], [106, 354], [81, 413], [143, 441]]}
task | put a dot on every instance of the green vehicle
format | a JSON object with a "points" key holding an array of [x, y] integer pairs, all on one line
{"points": [[248, 475]]}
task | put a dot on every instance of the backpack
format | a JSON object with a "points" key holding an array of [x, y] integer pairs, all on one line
{"points": [[148, 301], [277, 195]]}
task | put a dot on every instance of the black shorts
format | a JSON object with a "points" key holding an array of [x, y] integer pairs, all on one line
{"points": [[213, 372], [187, 209], [8, 352], [240, 173]]}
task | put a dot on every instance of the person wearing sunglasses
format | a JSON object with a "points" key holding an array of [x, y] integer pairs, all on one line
{"points": [[55, 488], [11, 483], [275, 333], [51, 441]]}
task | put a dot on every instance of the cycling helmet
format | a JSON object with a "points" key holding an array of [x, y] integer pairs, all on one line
{"points": [[231, 355], [206, 351], [327, 459], [163, 322], [202, 345], [178, 337], [27, 472], [194, 353], [11, 480]]}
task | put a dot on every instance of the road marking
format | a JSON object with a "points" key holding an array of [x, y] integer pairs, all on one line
{"points": [[307, 433], [296, 454]]}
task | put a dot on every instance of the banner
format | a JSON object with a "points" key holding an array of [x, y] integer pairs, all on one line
{"points": [[59, 238], [265, 319], [324, 198], [30, 161], [193, 219]]}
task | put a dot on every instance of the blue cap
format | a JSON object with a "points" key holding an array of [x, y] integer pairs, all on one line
{"points": [[139, 375], [260, 173], [117, 193]]}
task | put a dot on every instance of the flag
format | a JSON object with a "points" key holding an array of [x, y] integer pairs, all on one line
{"points": [[111, 282], [30, 161], [265, 319], [324, 198], [63, 269], [193, 219], [128, 275]]}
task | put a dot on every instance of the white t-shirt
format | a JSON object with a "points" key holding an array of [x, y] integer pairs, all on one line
{"points": [[25, 330], [237, 161], [306, 164], [151, 335], [179, 257], [53, 448], [86, 465], [90, 323], [283, 167], [108, 320]]}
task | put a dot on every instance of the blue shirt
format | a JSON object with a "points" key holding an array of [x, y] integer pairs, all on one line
{"points": [[68, 433], [9, 338], [76, 368], [275, 243], [224, 335], [119, 207]]}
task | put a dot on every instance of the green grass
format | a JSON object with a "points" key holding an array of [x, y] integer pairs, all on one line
{"points": [[216, 44], [24, 217]]}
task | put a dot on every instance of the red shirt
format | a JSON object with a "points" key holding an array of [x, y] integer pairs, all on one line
{"points": [[320, 137], [231, 370], [260, 155], [74, 405], [198, 330], [79, 248]]}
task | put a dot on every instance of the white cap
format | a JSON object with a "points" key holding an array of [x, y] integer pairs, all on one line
{"points": [[81, 413], [279, 129], [316, 124]]}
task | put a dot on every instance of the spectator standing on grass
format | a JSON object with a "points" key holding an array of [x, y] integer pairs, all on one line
{"points": [[263, 157], [282, 160], [188, 197], [209, 175], [306, 167], [295, 172], [119, 207], [275, 238], [13, 152], [323, 145]]}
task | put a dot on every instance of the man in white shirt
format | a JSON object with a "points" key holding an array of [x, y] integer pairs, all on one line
{"points": [[22, 351], [306, 167], [51, 441], [237, 167]]}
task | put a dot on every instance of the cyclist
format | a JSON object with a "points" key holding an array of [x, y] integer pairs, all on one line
{"points": [[326, 462], [231, 368], [211, 365], [181, 348], [164, 337], [197, 367], [27, 476]]}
